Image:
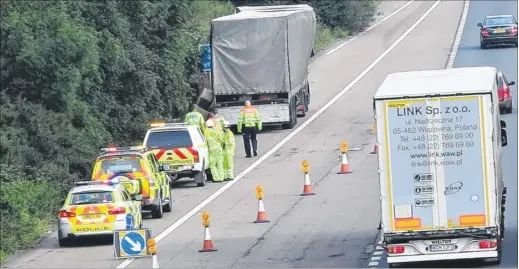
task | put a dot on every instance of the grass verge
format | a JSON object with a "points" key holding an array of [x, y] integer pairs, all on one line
{"points": [[326, 36]]}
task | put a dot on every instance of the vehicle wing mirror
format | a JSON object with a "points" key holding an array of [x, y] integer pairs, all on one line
{"points": [[165, 167], [480, 25], [504, 138], [137, 197], [511, 83], [503, 124]]}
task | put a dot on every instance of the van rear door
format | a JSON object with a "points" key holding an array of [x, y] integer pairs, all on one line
{"points": [[433, 168]]}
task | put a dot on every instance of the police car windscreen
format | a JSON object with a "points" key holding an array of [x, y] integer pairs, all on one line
{"points": [[169, 139], [123, 164], [97, 197]]}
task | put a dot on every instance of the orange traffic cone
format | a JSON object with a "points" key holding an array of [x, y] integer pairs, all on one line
{"points": [[345, 167], [208, 245], [262, 214], [307, 188], [375, 149]]}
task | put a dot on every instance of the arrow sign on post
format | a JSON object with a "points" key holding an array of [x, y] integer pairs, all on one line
{"points": [[131, 243], [136, 246]]}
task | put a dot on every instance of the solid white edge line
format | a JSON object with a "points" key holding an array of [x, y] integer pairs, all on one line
{"points": [[369, 28], [247, 170], [459, 34]]}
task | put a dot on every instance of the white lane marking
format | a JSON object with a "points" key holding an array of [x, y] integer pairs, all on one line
{"points": [[255, 164], [459, 33], [373, 264], [369, 28], [376, 258], [378, 253]]}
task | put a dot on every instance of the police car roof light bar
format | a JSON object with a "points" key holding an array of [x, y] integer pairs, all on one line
{"points": [[110, 182], [116, 149]]}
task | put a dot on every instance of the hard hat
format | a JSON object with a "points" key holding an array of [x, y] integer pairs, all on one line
{"points": [[247, 103], [226, 124], [209, 123]]}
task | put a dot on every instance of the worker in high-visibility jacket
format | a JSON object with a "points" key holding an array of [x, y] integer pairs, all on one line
{"points": [[250, 121], [195, 118], [229, 148], [220, 120], [216, 124], [214, 145]]}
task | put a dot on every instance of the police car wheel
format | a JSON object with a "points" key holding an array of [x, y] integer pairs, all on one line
{"points": [[64, 242], [200, 178], [169, 206], [157, 212]]}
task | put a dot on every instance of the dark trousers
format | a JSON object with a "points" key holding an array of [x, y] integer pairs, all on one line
{"points": [[249, 135]]}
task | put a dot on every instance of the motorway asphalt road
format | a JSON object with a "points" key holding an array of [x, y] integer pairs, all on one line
{"points": [[330, 229], [505, 59]]}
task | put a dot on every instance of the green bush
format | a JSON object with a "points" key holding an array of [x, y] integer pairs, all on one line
{"points": [[27, 206]]}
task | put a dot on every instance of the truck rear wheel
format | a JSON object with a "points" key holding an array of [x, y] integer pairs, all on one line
{"points": [[293, 116]]}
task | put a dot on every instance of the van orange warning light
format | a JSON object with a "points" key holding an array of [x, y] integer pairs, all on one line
{"points": [[157, 124]]}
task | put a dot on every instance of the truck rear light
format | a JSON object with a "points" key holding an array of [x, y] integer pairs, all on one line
{"points": [[396, 250], [488, 244], [66, 214], [196, 155], [117, 211], [485, 33]]}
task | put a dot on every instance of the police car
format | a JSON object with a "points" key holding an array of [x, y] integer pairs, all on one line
{"points": [[138, 170], [182, 148], [97, 208]]}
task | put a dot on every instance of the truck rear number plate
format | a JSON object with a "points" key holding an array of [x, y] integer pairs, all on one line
{"points": [[436, 248]]}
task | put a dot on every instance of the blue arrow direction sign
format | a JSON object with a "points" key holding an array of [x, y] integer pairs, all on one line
{"points": [[206, 57], [131, 243]]}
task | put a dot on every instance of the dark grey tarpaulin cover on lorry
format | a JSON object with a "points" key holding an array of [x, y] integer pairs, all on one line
{"points": [[262, 52]]}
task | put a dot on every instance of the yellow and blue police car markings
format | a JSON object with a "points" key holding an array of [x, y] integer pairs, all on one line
{"points": [[129, 221]]}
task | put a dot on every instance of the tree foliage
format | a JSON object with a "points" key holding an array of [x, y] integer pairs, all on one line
{"points": [[79, 75], [350, 15]]}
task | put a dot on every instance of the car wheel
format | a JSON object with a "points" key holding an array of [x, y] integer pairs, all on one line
{"points": [[169, 206], [157, 212], [63, 241], [200, 178], [483, 45], [509, 109]]}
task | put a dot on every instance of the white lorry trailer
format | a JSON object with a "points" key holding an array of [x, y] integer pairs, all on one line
{"points": [[263, 57], [439, 138]]}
